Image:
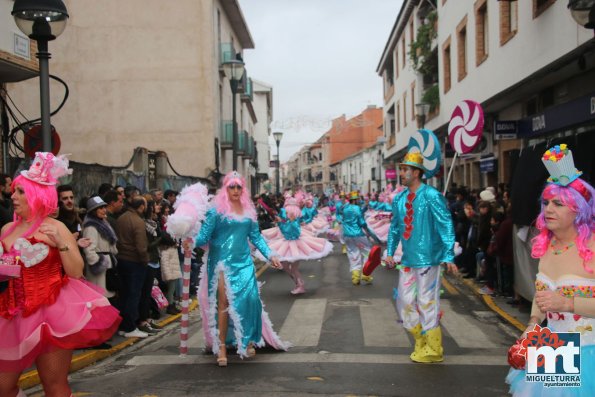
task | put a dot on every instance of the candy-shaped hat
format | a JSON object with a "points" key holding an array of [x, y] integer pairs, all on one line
{"points": [[560, 165], [414, 159], [47, 168]]}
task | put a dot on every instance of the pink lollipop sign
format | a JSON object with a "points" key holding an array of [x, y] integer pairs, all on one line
{"points": [[466, 126]]}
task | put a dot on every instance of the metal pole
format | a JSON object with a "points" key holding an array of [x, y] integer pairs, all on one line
{"points": [[234, 88], [44, 89], [278, 165], [5, 133]]}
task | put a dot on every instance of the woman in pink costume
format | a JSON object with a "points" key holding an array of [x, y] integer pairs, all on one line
{"points": [[46, 310], [295, 245]]}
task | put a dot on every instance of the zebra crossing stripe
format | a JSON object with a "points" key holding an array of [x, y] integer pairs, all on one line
{"points": [[303, 323], [379, 323], [463, 329]]}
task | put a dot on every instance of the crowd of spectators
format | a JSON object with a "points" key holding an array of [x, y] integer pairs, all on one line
{"points": [[483, 228]]}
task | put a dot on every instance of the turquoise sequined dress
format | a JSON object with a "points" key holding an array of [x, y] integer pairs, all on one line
{"points": [[229, 253]]}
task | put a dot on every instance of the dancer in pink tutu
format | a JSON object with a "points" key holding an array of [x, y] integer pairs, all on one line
{"points": [[295, 245], [312, 221], [379, 222], [46, 310]]}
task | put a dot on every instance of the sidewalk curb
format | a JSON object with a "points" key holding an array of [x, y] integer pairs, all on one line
{"points": [[31, 378], [487, 299]]}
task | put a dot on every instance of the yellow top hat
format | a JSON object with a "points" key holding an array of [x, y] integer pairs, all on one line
{"points": [[354, 195], [342, 194], [414, 159]]}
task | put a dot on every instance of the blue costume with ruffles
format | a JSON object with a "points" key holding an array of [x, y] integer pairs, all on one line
{"points": [[229, 254]]}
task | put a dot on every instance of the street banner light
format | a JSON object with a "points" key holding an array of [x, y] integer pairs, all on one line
{"points": [[278, 136], [42, 21], [234, 70]]}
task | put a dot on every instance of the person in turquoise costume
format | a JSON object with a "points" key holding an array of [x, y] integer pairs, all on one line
{"points": [[293, 245], [356, 241], [235, 314], [309, 211], [422, 223]]}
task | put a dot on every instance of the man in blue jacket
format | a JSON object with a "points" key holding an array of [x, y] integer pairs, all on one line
{"points": [[423, 224]]}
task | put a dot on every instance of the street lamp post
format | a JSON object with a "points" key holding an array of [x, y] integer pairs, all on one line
{"points": [[234, 70], [278, 136], [583, 12], [42, 21], [422, 109]]}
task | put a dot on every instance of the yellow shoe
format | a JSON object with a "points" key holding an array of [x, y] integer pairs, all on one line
{"points": [[367, 279], [344, 250], [432, 352], [420, 342], [355, 277]]}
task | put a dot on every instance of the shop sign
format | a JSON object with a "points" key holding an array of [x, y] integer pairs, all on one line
{"points": [[391, 174], [505, 129], [487, 164]]}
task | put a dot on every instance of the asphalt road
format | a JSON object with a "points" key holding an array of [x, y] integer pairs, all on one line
{"points": [[347, 342]]}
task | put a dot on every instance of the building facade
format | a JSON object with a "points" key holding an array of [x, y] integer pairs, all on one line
{"points": [[150, 75], [504, 55], [319, 167]]}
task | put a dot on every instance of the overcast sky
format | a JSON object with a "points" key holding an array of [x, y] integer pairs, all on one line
{"points": [[320, 56]]}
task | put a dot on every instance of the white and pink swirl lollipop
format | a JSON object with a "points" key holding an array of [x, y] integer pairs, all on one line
{"points": [[466, 126]]}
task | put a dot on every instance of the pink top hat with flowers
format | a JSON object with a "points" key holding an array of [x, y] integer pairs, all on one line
{"points": [[47, 168]]}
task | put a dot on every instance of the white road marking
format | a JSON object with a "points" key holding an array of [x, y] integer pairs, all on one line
{"points": [[379, 323], [463, 330], [303, 323], [329, 358]]}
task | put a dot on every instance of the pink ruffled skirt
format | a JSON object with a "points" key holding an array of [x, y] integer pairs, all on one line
{"points": [[81, 317]]}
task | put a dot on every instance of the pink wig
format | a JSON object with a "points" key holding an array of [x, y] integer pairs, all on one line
{"points": [[42, 201], [222, 202], [300, 196], [579, 197], [292, 209]]}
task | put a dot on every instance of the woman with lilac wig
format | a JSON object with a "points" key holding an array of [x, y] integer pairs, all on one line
{"points": [[565, 284], [231, 308]]}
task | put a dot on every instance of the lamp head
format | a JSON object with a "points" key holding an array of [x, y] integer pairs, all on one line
{"points": [[277, 136], [583, 12], [233, 69], [40, 19]]}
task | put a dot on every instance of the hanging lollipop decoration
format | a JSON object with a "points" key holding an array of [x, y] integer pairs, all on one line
{"points": [[464, 130], [191, 207], [427, 143]]}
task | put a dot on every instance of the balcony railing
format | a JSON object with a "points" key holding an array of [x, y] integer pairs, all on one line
{"points": [[249, 152], [226, 53], [241, 142], [248, 93], [226, 134]]}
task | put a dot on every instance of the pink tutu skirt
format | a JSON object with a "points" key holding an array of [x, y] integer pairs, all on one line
{"points": [[307, 247], [379, 224], [274, 233], [81, 317], [318, 226]]}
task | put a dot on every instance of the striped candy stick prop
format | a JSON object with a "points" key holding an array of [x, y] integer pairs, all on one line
{"points": [[185, 298], [427, 143], [190, 208], [464, 130]]}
